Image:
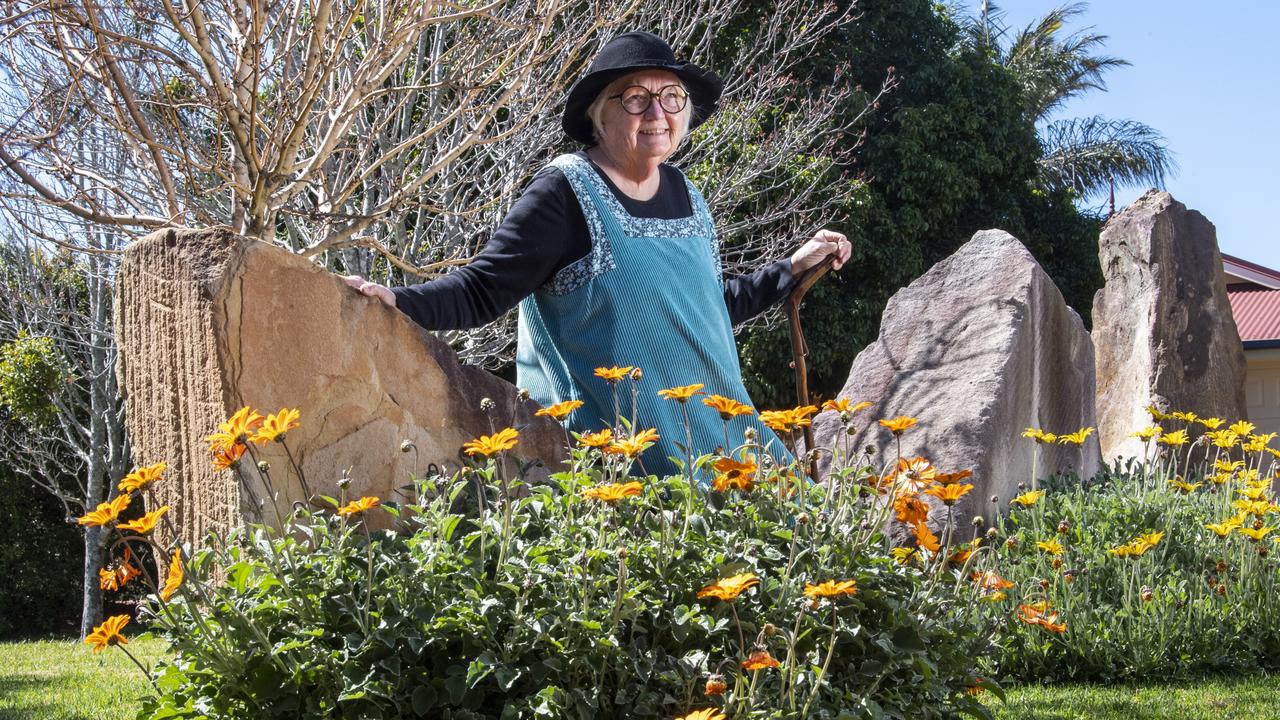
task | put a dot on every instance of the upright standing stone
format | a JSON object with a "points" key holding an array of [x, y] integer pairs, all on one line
{"points": [[1162, 325], [978, 349], [208, 322]]}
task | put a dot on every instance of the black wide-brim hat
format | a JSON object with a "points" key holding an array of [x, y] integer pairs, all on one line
{"points": [[628, 53]]}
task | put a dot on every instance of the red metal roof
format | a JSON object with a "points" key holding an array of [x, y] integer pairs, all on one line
{"points": [[1267, 272], [1256, 310]]}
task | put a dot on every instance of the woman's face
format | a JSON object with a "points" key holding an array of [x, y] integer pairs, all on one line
{"points": [[651, 135]]}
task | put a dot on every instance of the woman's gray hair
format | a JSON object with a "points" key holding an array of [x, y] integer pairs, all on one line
{"points": [[595, 111]]}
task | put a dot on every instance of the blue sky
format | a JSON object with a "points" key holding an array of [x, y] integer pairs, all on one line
{"points": [[1207, 76]]}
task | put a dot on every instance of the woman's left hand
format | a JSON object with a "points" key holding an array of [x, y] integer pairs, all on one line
{"points": [[824, 243]]}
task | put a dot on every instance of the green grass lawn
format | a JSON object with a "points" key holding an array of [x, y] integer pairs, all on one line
{"points": [[64, 680], [1254, 698], [61, 680]]}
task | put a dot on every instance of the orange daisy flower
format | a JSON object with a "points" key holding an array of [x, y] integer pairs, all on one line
{"points": [[560, 410], [728, 589], [275, 426], [727, 407], [141, 478], [108, 633], [831, 588], [613, 492], [487, 445], [613, 374], [355, 507], [683, 393]]}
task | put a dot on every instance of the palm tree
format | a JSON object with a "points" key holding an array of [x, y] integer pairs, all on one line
{"points": [[1085, 154]]}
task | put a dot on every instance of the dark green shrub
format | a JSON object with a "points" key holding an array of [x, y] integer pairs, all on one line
{"points": [[492, 599]]}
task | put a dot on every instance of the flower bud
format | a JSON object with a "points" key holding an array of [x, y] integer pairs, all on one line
{"points": [[344, 482], [1022, 486], [749, 434], [995, 499], [523, 395], [1044, 584], [846, 417], [977, 521], [992, 534], [1147, 595], [770, 630], [486, 404], [1064, 527], [1056, 563], [1011, 543], [264, 466], [406, 446], [623, 553], [851, 431], [802, 519], [637, 374], [869, 450]]}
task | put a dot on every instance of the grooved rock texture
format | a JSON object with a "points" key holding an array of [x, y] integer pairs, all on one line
{"points": [[1162, 326], [208, 322], [979, 348]]}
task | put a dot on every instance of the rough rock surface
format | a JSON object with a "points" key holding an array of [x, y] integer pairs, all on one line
{"points": [[208, 321], [1162, 325], [979, 348]]}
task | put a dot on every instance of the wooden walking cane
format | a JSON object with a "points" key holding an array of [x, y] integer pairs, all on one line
{"points": [[799, 350]]}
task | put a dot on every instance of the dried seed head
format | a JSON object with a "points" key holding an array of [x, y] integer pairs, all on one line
{"points": [[1044, 584], [344, 482], [977, 521], [716, 685], [487, 404], [770, 630], [992, 534], [1057, 563], [802, 519], [523, 395], [1147, 595], [1011, 543], [749, 434], [1064, 527]]}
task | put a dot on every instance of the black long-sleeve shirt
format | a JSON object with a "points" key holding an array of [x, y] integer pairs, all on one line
{"points": [[544, 233]]}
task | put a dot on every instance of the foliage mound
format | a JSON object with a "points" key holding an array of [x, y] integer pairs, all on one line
{"points": [[599, 593], [1162, 568]]}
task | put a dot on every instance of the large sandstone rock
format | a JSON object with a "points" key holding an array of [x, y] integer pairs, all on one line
{"points": [[1162, 326], [208, 322], [979, 348]]}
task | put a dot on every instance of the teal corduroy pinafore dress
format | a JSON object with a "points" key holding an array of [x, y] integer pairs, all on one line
{"points": [[650, 295]]}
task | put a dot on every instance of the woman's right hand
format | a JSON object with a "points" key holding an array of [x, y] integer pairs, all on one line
{"points": [[372, 289]]}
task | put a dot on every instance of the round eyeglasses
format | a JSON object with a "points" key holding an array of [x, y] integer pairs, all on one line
{"points": [[636, 99]]}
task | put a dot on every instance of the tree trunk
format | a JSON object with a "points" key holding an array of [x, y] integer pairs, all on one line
{"points": [[91, 612]]}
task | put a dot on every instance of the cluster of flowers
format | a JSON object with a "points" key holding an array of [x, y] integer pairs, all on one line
{"points": [[226, 446], [121, 571]]}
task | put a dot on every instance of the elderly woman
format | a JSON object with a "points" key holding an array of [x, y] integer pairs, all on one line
{"points": [[613, 259]]}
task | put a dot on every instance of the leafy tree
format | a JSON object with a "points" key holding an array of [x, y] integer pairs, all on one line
{"points": [[951, 151], [1084, 154], [61, 416]]}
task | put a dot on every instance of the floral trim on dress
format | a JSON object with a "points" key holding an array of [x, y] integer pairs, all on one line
{"points": [[587, 185]]}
